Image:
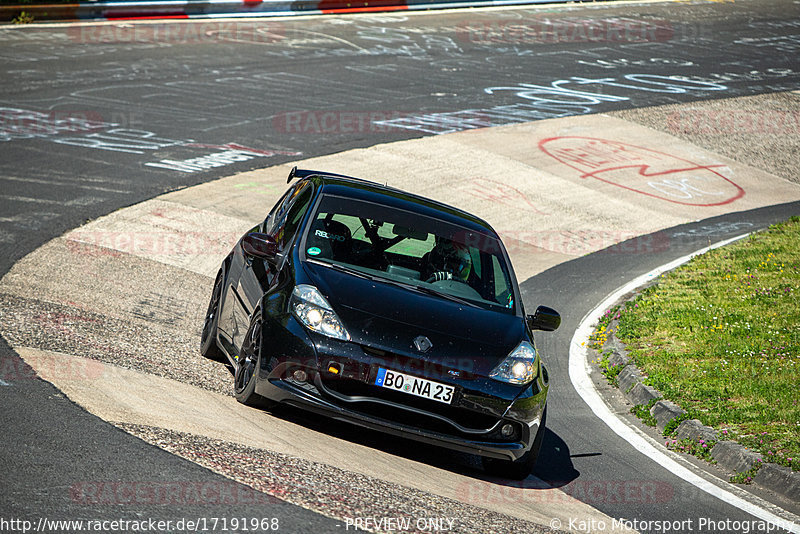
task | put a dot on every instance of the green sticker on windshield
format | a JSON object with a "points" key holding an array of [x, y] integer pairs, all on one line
{"points": [[313, 251]]}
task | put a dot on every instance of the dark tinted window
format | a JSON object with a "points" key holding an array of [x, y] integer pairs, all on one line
{"points": [[410, 248], [284, 221]]}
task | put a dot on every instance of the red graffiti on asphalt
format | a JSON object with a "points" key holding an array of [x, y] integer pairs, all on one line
{"points": [[644, 170], [494, 191]]}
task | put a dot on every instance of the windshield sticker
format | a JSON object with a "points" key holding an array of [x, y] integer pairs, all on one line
{"points": [[328, 235], [313, 251]]}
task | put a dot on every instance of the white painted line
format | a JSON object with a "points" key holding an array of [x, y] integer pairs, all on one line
{"points": [[579, 371], [66, 184], [79, 202], [27, 218], [4, 383], [7, 237]]}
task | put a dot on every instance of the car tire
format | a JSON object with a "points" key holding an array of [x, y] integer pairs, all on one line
{"points": [[208, 338], [521, 468], [244, 377]]}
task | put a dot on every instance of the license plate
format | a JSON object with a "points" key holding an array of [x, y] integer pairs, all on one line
{"points": [[414, 385]]}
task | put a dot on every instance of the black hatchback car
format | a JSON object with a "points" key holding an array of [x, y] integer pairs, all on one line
{"points": [[388, 310]]}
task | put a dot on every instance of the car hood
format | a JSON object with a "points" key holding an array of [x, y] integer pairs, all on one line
{"points": [[388, 317]]}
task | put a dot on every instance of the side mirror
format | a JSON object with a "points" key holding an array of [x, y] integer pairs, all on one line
{"points": [[544, 318], [260, 245]]}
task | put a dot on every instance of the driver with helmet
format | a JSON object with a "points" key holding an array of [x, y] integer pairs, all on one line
{"points": [[447, 260]]}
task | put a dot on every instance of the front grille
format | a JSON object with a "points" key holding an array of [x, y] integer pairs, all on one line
{"points": [[366, 399]]}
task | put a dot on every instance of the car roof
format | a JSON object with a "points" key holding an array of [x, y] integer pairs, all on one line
{"points": [[338, 184]]}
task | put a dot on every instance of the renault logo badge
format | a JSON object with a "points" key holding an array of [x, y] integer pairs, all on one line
{"points": [[422, 343]]}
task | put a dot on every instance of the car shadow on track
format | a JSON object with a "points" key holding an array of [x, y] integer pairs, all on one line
{"points": [[554, 468], [555, 462]]}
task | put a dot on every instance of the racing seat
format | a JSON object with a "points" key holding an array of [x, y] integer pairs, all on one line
{"points": [[332, 238]]}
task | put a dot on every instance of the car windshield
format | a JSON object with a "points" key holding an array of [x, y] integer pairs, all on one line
{"points": [[416, 251]]}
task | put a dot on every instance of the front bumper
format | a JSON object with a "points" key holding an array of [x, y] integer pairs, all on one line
{"points": [[471, 424]]}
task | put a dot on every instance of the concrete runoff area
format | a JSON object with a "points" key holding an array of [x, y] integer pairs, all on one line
{"points": [[595, 181], [554, 190]]}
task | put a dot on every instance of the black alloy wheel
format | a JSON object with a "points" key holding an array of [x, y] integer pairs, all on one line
{"points": [[208, 339], [244, 379]]}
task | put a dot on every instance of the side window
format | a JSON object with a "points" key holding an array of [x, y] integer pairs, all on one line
{"points": [[502, 288], [284, 225], [278, 209], [475, 255]]}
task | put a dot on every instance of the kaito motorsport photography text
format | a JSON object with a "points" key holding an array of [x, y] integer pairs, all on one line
{"points": [[702, 524]]}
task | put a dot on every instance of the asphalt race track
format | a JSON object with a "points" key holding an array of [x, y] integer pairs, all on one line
{"points": [[100, 117]]}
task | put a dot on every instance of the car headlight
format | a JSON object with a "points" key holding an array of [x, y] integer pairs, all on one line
{"points": [[311, 309], [519, 367]]}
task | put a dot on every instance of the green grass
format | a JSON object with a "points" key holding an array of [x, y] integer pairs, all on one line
{"points": [[604, 329], [701, 448], [746, 477], [720, 337], [642, 411], [598, 340], [611, 372], [23, 18]]}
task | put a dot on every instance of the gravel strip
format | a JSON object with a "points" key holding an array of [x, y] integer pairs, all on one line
{"points": [[112, 283], [325, 489], [762, 131], [161, 351]]}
